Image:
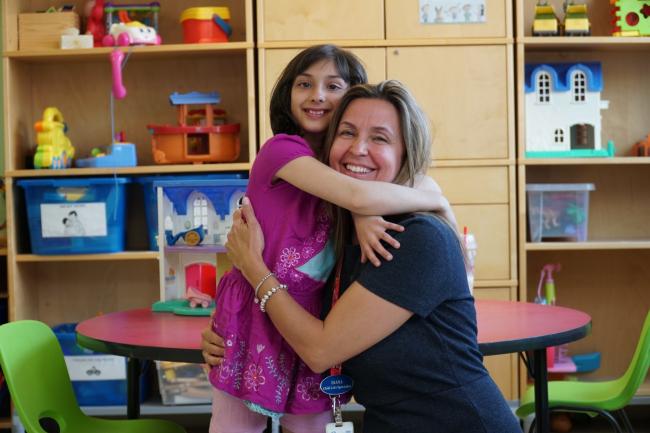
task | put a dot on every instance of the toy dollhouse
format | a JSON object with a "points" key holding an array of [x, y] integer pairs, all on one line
{"points": [[194, 217], [563, 104]]}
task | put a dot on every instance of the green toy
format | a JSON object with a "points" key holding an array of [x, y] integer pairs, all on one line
{"points": [[630, 17]]}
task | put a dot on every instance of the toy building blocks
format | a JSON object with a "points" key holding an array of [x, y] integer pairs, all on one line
{"points": [[630, 17], [545, 22], [563, 105], [54, 149]]}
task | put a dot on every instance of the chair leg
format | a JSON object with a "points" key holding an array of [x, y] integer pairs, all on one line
{"points": [[612, 420], [532, 429], [626, 420]]}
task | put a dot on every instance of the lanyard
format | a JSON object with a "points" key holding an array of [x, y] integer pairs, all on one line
{"points": [[336, 370]]}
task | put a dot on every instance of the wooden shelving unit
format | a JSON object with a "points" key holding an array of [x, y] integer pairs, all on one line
{"points": [[69, 288], [607, 276]]}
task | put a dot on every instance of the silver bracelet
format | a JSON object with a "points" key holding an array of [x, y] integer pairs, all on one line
{"points": [[268, 295], [257, 288]]}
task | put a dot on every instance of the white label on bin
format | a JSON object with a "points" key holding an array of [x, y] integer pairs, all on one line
{"points": [[64, 220], [96, 367]]}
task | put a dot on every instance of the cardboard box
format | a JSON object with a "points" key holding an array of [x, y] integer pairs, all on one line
{"points": [[39, 31]]}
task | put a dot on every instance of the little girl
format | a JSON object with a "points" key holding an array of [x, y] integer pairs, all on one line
{"points": [[260, 374]]}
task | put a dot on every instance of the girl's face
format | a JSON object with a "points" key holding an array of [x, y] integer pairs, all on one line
{"points": [[368, 144], [315, 94]]}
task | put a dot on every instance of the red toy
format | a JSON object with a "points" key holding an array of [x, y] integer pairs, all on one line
{"points": [[95, 21]]}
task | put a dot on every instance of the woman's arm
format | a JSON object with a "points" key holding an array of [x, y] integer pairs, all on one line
{"points": [[359, 319], [359, 196]]}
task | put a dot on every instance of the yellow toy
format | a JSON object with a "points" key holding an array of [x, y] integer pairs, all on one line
{"points": [[54, 148]]}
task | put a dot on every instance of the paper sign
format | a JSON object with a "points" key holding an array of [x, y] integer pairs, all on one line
{"points": [[452, 11]]}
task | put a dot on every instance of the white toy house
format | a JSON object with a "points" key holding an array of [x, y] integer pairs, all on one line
{"points": [[563, 105]]}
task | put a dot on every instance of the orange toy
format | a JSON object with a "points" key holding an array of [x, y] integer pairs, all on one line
{"points": [[189, 142], [641, 148]]}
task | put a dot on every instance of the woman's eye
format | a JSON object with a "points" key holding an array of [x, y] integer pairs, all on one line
{"points": [[346, 133], [380, 139]]}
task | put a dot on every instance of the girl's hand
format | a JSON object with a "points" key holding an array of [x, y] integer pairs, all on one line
{"points": [[371, 230], [212, 347], [440, 205], [245, 242]]}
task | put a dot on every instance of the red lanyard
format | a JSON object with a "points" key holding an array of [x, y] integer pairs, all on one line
{"points": [[336, 370]]}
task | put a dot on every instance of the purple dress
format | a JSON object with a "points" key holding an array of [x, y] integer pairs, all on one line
{"points": [[259, 366]]}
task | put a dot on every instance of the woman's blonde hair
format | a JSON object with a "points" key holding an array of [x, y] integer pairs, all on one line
{"points": [[416, 135]]}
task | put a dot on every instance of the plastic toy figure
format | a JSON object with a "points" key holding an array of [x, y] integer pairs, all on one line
{"points": [[576, 21], [95, 21], [545, 22], [54, 148]]}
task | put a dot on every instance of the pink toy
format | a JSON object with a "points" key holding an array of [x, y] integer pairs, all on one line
{"points": [[200, 284], [119, 91]]}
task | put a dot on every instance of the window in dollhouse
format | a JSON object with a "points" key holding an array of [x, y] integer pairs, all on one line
{"points": [[579, 88], [543, 88]]}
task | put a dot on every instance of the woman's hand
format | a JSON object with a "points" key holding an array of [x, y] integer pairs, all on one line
{"points": [[371, 230], [212, 347], [245, 242]]}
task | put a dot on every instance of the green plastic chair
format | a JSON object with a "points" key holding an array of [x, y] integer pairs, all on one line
{"points": [[602, 398], [40, 387]]}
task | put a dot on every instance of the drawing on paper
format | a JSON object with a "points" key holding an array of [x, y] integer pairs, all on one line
{"points": [[452, 11]]}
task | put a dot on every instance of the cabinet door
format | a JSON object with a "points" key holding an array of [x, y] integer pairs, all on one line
{"points": [[308, 20], [273, 61], [485, 210], [502, 368], [463, 90], [407, 19]]}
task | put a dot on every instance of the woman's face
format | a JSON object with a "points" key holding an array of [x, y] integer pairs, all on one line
{"points": [[368, 144], [315, 95]]}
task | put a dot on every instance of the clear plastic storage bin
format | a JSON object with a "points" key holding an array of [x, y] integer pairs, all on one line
{"points": [[558, 212], [183, 383]]}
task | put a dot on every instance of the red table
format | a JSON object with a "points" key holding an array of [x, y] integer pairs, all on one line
{"points": [[503, 327]]}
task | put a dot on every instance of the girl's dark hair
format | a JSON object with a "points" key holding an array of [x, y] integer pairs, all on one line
{"points": [[347, 64]]}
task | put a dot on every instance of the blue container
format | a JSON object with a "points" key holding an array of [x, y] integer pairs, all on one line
{"points": [[76, 216], [150, 197], [94, 392]]}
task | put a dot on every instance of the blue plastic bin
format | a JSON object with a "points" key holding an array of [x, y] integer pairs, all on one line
{"points": [[76, 216], [151, 204], [94, 391]]}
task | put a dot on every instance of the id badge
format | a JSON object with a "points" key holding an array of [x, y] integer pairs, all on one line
{"points": [[345, 427]]}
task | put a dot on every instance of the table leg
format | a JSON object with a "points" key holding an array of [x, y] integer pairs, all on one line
{"points": [[540, 373], [133, 388]]}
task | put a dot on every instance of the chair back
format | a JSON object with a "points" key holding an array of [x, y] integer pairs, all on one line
{"points": [[638, 369], [36, 374]]}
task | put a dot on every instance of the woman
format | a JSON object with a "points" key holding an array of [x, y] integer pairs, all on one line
{"points": [[404, 331]]}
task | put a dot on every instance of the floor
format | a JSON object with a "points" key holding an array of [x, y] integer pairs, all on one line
{"points": [[639, 417]]}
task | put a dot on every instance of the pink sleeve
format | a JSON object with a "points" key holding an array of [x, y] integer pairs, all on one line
{"points": [[275, 153]]}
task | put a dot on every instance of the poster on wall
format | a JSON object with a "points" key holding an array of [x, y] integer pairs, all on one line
{"points": [[452, 11]]}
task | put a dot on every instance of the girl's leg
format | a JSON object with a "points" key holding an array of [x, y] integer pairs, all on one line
{"points": [[230, 415], [312, 423]]}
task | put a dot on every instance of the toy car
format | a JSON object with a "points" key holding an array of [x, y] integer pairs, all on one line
{"points": [[545, 22], [191, 237], [131, 33]]}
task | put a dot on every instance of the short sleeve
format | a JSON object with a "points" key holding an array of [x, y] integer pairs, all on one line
{"points": [[276, 152], [425, 271]]}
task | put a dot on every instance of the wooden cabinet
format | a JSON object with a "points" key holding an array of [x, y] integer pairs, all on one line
{"points": [[74, 287], [607, 276], [403, 18], [465, 85]]}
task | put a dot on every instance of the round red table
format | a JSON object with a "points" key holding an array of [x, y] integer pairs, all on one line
{"points": [[503, 327]]}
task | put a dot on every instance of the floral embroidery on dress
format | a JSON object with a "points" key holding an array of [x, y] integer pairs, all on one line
{"points": [[254, 377], [308, 389]]}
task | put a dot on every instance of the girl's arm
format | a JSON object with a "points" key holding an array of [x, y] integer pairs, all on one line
{"points": [[359, 196], [359, 319]]}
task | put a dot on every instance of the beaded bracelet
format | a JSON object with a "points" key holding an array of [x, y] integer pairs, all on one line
{"points": [[257, 288], [268, 295]]}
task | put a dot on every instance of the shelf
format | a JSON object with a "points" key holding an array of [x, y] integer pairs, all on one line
{"points": [[589, 245], [590, 43], [155, 51], [381, 43], [619, 160], [199, 249], [145, 169], [128, 255]]}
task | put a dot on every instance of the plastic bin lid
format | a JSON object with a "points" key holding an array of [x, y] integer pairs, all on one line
{"points": [[80, 181], [180, 177], [200, 182], [554, 187]]}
